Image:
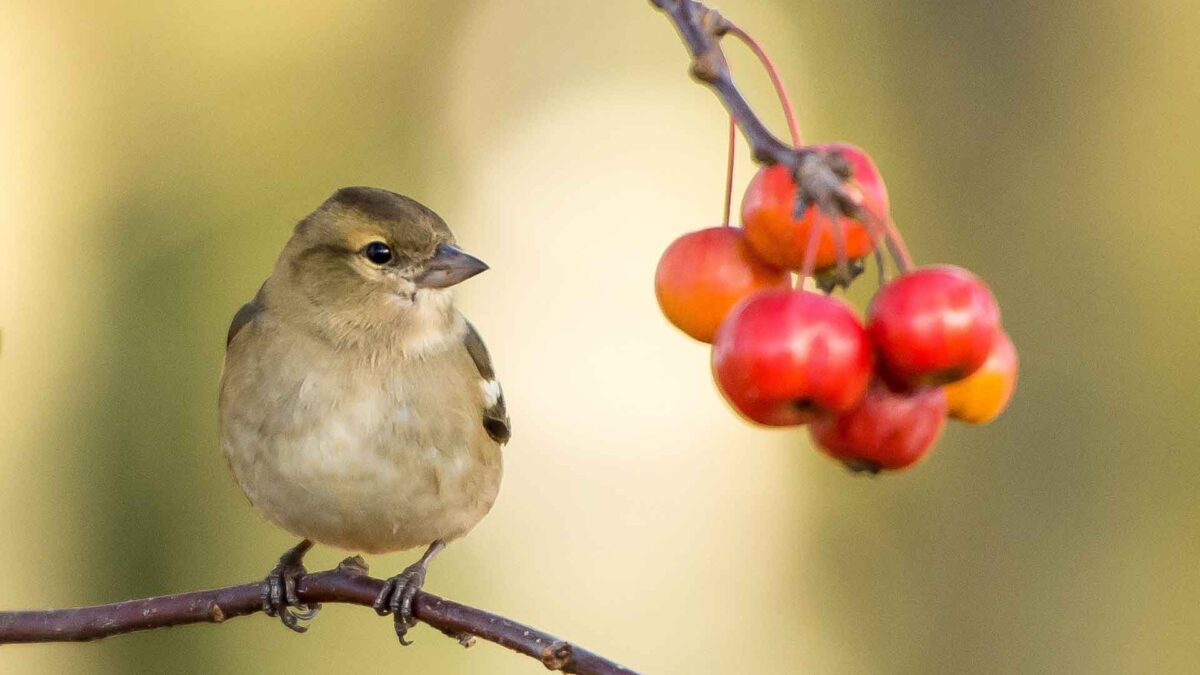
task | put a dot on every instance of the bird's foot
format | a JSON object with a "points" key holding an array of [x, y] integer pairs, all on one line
{"points": [[279, 596], [397, 595]]}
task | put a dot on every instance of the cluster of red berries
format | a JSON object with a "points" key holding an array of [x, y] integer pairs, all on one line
{"points": [[873, 394]]}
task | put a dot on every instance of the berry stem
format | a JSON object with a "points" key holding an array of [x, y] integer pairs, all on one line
{"points": [[839, 248], [877, 248], [819, 222], [876, 233], [788, 111], [886, 229], [896, 243], [729, 170]]}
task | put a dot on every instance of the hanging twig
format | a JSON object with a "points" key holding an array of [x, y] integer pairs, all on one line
{"points": [[701, 28]]}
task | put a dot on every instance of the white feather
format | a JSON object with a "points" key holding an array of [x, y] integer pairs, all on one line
{"points": [[491, 392]]}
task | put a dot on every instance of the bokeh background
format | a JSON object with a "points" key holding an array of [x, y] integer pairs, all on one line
{"points": [[154, 156]]}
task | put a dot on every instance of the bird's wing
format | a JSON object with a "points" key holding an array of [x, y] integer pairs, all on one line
{"points": [[495, 415], [244, 316]]}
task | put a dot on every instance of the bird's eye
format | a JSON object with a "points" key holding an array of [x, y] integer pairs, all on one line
{"points": [[378, 252]]}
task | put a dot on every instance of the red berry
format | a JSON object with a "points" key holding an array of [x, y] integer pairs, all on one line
{"points": [[866, 175], [787, 357], [768, 211], [981, 398], [932, 326], [886, 430], [703, 274]]}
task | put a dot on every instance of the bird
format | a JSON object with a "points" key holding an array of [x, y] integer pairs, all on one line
{"points": [[358, 407]]}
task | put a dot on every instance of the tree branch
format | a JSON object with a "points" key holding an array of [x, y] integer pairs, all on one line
{"points": [[701, 28], [344, 584]]}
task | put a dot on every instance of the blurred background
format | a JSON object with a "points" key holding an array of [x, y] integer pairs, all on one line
{"points": [[156, 155]]}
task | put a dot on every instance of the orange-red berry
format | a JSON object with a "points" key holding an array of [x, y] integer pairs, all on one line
{"points": [[769, 214], [981, 398], [703, 274]]}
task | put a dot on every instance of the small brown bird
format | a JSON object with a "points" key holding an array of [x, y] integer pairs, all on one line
{"points": [[358, 407]]}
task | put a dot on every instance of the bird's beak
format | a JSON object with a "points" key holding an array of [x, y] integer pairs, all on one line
{"points": [[448, 266]]}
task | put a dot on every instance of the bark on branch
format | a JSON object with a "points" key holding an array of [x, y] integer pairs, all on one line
{"points": [[339, 585]]}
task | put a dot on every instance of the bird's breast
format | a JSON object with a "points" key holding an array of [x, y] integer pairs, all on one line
{"points": [[367, 455]]}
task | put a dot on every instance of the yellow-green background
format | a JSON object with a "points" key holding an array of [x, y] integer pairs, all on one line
{"points": [[154, 156]]}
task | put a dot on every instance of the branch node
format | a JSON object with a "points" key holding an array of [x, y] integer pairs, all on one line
{"points": [[215, 614], [461, 637], [354, 566], [558, 656], [713, 22], [709, 66]]}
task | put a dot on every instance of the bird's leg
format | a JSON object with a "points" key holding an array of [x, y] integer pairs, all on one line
{"points": [[397, 595], [279, 596]]}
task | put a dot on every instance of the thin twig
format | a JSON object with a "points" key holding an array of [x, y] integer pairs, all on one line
{"points": [[730, 156], [789, 111], [339, 585], [700, 27]]}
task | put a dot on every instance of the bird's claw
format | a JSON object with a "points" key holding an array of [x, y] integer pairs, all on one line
{"points": [[279, 596], [397, 595]]}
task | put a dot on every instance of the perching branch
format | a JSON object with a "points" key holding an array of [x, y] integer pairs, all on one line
{"points": [[346, 584]]}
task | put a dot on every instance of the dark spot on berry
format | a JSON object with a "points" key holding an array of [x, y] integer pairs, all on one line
{"points": [[805, 406], [863, 466]]}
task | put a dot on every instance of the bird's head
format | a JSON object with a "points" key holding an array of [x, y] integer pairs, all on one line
{"points": [[370, 259]]}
